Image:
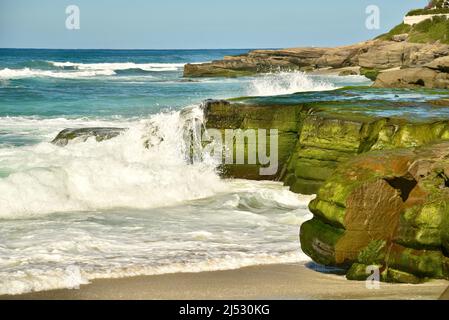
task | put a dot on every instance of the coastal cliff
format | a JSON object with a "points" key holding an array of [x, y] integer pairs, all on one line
{"points": [[315, 138], [371, 56], [406, 57]]}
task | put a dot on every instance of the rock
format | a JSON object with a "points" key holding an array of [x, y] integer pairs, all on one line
{"points": [[413, 78], [400, 37], [445, 295], [440, 64], [383, 55], [371, 55], [315, 139], [100, 134], [388, 208], [223, 115], [440, 102], [433, 74], [348, 73]]}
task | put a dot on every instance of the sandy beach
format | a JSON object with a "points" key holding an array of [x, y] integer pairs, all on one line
{"points": [[286, 281]]}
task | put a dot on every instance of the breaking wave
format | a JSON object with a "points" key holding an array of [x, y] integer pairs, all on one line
{"points": [[71, 70], [120, 66], [282, 83], [83, 176]]}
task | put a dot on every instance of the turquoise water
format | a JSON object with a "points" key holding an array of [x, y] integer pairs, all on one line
{"points": [[102, 83], [90, 210]]}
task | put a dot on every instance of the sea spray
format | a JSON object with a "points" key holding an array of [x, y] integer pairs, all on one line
{"points": [[280, 83], [142, 168]]}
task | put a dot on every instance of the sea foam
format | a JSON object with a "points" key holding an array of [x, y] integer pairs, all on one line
{"points": [[281, 83], [99, 175], [120, 66], [71, 70]]}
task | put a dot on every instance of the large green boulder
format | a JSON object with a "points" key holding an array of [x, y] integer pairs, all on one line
{"points": [[387, 208]]}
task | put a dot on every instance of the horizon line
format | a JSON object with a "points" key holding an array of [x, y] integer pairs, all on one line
{"points": [[143, 49]]}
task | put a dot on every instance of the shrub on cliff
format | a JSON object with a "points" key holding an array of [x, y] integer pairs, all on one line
{"points": [[419, 12], [428, 31]]}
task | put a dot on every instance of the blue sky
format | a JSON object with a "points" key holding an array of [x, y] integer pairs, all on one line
{"points": [[168, 24]]}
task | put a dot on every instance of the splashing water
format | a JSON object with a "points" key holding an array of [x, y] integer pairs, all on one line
{"points": [[122, 209], [120, 172], [281, 83]]}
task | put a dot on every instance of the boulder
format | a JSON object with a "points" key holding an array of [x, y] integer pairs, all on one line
{"points": [[383, 55], [100, 134], [389, 209], [440, 64], [413, 78], [400, 37]]}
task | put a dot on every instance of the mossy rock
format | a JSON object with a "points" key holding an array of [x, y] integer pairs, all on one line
{"points": [[421, 225], [397, 276], [100, 134], [318, 241], [370, 73], [303, 186], [328, 211], [393, 209]]}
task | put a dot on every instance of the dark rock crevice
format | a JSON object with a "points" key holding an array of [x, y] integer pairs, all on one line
{"points": [[403, 185]]}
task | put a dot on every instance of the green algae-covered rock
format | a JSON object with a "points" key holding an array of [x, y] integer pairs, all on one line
{"points": [[315, 138], [223, 116], [100, 134], [318, 240], [397, 276], [390, 209]]}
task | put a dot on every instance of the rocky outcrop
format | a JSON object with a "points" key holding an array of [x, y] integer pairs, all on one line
{"points": [[370, 55], [432, 75], [383, 55], [100, 134], [389, 209], [315, 138], [223, 115]]}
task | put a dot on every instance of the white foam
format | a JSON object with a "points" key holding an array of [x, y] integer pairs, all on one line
{"points": [[282, 83], [232, 224], [70, 249], [84, 176], [31, 73], [45, 129], [86, 70], [120, 66], [72, 277]]}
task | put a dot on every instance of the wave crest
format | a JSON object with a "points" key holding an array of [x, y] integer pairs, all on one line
{"points": [[83, 176], [71, 70], [115, 66], [283, 83]]}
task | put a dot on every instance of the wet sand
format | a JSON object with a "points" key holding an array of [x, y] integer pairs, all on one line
{"points": [[286, 281]]}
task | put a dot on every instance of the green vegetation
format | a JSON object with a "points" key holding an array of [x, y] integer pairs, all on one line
{"points": [[419, 12], [399, 29], [370, 73], [431, 30], [434, 7], [428, 31]]}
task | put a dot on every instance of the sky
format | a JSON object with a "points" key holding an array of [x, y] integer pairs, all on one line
{"points": [[194, 24]]}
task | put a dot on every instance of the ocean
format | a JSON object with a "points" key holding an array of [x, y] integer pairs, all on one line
{"points": [[112, 209]]}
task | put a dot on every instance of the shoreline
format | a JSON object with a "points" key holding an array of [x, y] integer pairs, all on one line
{"points": [[297, 281]]}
